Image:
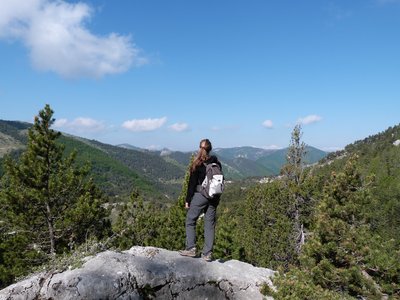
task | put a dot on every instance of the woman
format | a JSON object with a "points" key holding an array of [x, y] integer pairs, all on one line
{"points": [[197, 204]]}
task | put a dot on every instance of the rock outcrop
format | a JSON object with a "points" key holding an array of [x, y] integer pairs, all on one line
{"points": [[146, 273]]}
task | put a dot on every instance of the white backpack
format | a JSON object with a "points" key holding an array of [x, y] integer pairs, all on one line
{"points": [[214, 182]]}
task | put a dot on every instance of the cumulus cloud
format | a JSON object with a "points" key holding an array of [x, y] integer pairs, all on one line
{"points": [[80, 125], [309, 119], [58, 40], [268, 124], [144, 124], [60, 123], [179, 127]]}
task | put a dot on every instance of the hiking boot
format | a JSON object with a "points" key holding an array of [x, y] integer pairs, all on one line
{"points": [[188, 252], [207, 257]]}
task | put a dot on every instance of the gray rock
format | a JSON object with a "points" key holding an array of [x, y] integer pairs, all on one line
{"points": [[146, 273]]}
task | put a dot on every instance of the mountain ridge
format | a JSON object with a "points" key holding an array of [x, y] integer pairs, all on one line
{"points": [[159, 173]]}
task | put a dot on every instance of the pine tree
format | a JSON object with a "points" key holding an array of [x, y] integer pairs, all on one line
{"points": [[334, 259], [265, 228], [137, 224], [49, 205], [336, 253], [294, 178], [172, 232], [293, 169], [227, 244]]}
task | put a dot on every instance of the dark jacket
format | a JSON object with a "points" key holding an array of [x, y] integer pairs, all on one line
{"points": [[197, 177]]}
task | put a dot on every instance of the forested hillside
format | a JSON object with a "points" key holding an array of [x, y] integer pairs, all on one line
{"points": [[12, 136], [379, 157], [242, 162], [116, 170], [331, 229], [277, 159], [158, 174]]}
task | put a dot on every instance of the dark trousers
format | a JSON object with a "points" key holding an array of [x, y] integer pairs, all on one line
{"points": [[199, 205]]}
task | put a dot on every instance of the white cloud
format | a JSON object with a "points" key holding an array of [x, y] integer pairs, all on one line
{"points": [[309, 119], [60, 123], [268, 124], [58, 40], [179, 127], [80, 125], [144, 124]]}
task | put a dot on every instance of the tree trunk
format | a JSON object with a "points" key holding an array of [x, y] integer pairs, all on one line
{"points": [[51, 230], [298, 231]]}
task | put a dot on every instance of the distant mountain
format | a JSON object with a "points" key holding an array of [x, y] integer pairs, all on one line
{"points": [[158, 174], [241, 168], [245, 162], [240, 162], [277, 159], [250, 153], [128, 146], [116, 170], [12, 136]]}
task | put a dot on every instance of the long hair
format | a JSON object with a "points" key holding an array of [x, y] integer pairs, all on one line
{"points": [[202, 155]]}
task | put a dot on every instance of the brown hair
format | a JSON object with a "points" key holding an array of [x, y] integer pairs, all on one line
{"points": [[202, 154]]}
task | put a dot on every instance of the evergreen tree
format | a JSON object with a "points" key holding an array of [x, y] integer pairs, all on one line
{"points": [[293, 169], [137, 224], [265, 228], [294, 178], [48, 204], [227, 245], [335, 255], [172, 231]]}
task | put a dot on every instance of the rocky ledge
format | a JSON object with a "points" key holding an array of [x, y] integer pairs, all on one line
{"points": [[146, 273]]}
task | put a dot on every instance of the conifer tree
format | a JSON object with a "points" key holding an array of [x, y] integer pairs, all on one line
{"points": [[266, 226], [293, 171], [336, 253], [137, 224], [49, 202], [172, 227], [334, 259], [227, 244]]}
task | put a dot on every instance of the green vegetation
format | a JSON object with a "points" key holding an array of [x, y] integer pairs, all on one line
{"points": [[13, 129], [117, 171], [158, 175], [115, 178], [332, 230], [48, 204], [136, 224], [277, 159]]}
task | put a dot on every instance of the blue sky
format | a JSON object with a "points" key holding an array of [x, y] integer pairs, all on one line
{"points": [[168, 73]]}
